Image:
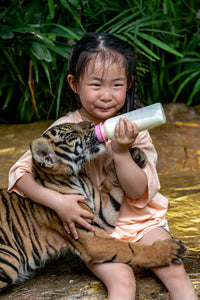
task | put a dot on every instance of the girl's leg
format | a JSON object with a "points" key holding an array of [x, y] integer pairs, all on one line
{"points": [[174, 277], [118, 278]]}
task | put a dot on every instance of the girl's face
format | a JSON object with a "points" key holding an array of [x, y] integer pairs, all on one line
{"points": [[102, 89]]}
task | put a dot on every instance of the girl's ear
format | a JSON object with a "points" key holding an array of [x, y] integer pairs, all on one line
{"points": [[130, 83], [72, 82]]}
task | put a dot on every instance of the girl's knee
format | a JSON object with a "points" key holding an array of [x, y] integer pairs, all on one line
{"points": [[171, 271], [125, 277], [123, 282], [118, 278]]}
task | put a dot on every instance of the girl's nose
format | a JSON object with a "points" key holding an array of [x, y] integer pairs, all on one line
{"points": [[106, 95]]}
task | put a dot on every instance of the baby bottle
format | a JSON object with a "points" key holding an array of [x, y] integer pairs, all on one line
{"points": [[145, 118]]}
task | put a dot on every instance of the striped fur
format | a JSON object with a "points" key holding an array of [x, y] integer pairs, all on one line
{"points": [[31, 234]]}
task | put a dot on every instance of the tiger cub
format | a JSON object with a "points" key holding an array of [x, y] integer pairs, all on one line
{"points": [[31, 234]]}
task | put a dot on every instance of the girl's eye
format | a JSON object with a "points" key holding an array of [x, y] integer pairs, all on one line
{"points": [[118, 84]]}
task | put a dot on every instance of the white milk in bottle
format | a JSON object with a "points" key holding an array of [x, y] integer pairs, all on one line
{"points": [[145, 118]]}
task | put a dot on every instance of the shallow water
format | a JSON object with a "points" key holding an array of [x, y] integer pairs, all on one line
{"points": [[178, 146]]}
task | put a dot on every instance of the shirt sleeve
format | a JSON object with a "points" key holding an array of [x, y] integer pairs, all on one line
{"points": [[21, 167], [145, 143], [24, 164]]}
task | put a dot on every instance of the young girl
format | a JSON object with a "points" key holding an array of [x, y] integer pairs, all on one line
{"points": [[101, 84]]}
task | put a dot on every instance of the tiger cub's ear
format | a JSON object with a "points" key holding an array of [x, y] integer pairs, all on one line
{"points": [[42, 152]]}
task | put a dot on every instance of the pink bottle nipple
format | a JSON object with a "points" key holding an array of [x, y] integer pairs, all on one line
{"points": [[99, 133]]}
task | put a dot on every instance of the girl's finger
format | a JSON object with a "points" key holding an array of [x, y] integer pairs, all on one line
{"points": [[81, 199], [134, 125], [119, 129], [122, 127], [86, 225], [116, 130], [87, 214], [129, 128], [73, 231], [67, 228]]}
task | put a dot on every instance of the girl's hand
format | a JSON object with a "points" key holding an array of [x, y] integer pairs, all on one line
{"points": [[125, 134], [71, 212], [66, 206]]}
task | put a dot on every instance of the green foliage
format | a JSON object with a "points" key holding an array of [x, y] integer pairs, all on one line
{"points": [[34, 53], [36, 37]]}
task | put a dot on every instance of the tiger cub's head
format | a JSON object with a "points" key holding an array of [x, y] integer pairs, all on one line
{"points": [[63, 149]]}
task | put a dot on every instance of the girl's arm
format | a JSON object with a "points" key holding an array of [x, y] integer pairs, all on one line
{"points": [[22, 182], [132, 178], [66, 206]]}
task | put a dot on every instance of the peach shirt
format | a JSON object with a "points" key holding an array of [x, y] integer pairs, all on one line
{"points": [[137, 216]]}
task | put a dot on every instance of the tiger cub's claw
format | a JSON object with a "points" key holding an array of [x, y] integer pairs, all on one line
{"points": [[181, 252]]}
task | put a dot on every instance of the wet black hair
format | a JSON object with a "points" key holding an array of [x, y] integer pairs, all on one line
{"points": [[103, 44]]}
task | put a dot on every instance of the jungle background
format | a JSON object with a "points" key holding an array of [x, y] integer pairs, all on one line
{"points": [[36, 37]]}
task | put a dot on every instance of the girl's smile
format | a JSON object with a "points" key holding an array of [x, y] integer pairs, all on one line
{"points": [[102, 89]]}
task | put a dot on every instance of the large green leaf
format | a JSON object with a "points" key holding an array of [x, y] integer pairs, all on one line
{"points": [[159, 43], [40, 52], [142, 46], [64, 31], [6, 32]]}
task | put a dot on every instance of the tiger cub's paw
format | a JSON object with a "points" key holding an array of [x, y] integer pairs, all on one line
{"points": [[170, 251], [138, 156]]}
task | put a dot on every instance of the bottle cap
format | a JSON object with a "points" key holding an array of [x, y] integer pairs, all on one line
{"points": [[99, 133]]}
